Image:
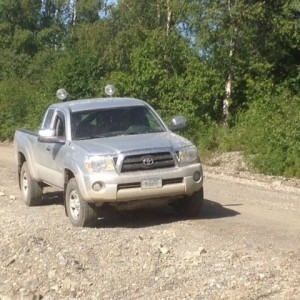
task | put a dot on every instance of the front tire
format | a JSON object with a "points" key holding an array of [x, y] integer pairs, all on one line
{"points": [[32, 190], [80, 212], [190, 207]]}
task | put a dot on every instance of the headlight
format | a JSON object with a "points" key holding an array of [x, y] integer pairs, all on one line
{"points": [[187, 155], [99, 163]]}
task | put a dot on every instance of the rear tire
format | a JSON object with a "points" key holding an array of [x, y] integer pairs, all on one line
{"points": [[32, 190], [190, 207], [80, 212]]}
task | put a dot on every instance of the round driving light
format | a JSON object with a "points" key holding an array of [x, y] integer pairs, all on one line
{"points": [[97, 186], [62, 94], [109, 90], [197, 176]]}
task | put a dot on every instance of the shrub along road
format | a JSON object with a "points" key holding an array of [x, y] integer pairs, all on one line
{"points": [[245, 245]]}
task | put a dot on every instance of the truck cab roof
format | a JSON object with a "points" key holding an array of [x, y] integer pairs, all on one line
{"points": [[97, 103]]}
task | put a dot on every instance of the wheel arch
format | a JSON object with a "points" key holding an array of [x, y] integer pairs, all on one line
{"points": [[68, 174], [21, 159]]}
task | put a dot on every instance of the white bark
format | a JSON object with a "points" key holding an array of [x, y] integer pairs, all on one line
{"points": [[228, 81], [73, 7], [226, 101], [169, 17]]}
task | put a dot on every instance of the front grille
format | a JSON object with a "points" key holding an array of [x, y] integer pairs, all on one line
{"points": [[138, 162]]}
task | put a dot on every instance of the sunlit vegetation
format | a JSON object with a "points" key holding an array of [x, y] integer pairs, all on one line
{"points": [[231, 67]]}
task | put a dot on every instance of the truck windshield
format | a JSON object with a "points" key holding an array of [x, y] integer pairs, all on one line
{"points": [[114, 122]]}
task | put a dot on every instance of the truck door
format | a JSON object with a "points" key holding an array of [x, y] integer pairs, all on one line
{"points": [[51, 154]]}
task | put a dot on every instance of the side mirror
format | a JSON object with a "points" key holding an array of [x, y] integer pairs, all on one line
{"points": [[48, 136], [178, 123]]}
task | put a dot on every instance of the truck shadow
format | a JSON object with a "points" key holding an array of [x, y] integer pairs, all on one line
{"points": [[53, 198], [153, 216], [146, 216], [214, 210]]}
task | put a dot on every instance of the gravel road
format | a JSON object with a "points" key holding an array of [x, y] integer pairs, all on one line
{"points": [[244, 245]]}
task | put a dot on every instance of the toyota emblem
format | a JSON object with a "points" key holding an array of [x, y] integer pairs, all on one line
{"points": [[148, 161]]}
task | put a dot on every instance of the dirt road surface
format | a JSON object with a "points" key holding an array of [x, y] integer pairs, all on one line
{"points": [[244, 245]]}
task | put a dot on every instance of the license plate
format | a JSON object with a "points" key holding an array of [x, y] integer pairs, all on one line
{"points": [[151, 183]]}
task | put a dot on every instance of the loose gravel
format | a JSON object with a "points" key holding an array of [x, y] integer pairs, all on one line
{"points": [[145, 253]]}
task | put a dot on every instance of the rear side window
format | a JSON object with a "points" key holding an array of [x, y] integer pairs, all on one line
{"points": [[48, 119]]}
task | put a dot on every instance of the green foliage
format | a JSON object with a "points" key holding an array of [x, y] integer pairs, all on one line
{"points": [[22, 105], [269, 133], [77, 71], [12, 64], [177, 55], [5, 35], [87, 10], [21, 13], [23, 41]]}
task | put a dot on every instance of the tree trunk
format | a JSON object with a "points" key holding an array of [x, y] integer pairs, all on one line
{"points": [[228, 81], [226, 101], [169, 18], [74, 11]]}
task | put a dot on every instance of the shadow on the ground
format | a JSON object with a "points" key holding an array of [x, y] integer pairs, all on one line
{"points": [[153, 216], [53, 198], [214, 210], [145, 216]]}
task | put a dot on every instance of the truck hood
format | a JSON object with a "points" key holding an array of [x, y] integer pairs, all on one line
{"points": [[167, 141]]}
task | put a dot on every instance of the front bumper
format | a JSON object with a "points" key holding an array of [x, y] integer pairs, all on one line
{"points": [[176, 182]]}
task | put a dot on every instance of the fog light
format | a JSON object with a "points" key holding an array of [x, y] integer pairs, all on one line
{"points": [[97, 186], [197, 176]]}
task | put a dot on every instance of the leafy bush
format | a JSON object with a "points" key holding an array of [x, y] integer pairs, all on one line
{"points": [[269, 133], [22, 105]]}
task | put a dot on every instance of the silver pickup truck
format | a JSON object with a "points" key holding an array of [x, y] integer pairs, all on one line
{"points": [[108, 151]]}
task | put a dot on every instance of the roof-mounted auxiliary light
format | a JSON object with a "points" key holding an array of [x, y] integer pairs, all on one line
{"points": [[62, 94], [109, 90]]}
